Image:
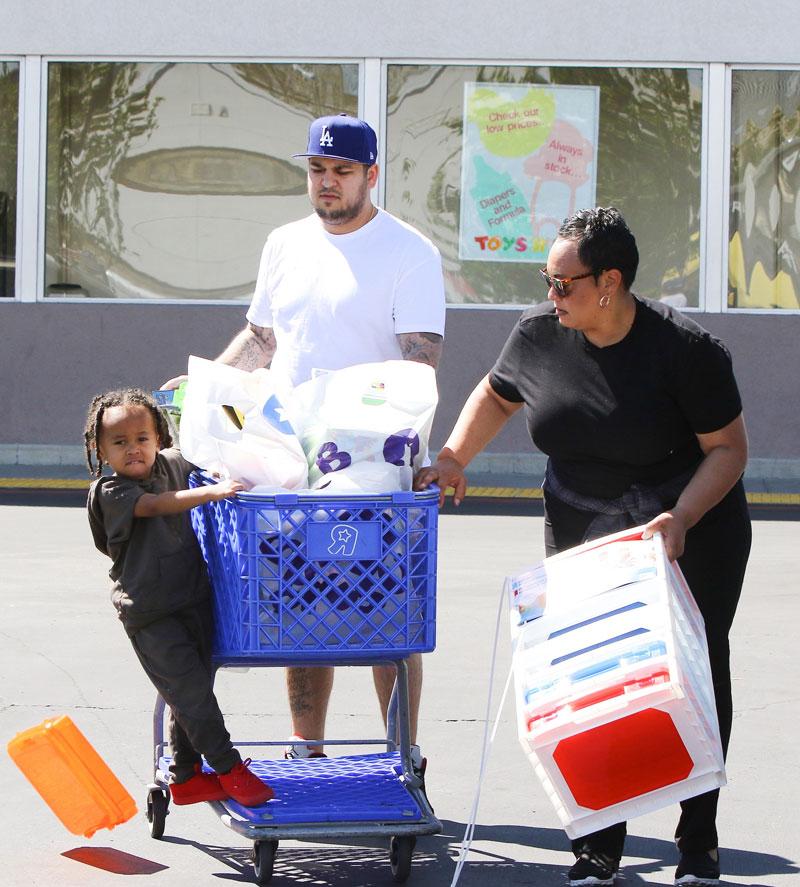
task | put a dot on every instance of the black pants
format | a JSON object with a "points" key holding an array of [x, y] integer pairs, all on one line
{"points": [[713, 562], [175, 653]]}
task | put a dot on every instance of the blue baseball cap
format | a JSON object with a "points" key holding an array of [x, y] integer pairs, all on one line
{"points": [[343, 138]]}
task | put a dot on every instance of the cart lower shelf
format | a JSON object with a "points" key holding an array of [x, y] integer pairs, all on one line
{"points": [[348, 794]]}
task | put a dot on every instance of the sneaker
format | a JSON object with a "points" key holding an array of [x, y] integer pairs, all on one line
{"points": [[697, 868], [593, 868], [199, 787], [244, 786], [298, 749]]}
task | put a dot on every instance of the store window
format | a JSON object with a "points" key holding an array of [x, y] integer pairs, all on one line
{"points": [[488, 160], [9, 122], [164, 179], [764, 232]]}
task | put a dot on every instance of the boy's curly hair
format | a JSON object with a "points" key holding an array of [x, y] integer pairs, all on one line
{"points": [[121, 397]]}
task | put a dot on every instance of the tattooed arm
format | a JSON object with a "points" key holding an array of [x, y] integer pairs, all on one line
{"points": [[422, 347], [252, 348]]}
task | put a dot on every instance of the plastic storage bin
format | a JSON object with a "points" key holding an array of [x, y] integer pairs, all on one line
{"points": [[614, 696], [71, 777], [321, 578]]}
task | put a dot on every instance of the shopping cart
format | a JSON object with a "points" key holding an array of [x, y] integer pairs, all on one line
{"points": [[321, 580]]}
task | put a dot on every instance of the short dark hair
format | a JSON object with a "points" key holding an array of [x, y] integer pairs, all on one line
{"points": [[134, 397], [604, 241]]}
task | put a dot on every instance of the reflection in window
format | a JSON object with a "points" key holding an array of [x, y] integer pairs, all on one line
{"points": [[9, 117], [764, 247], [638, 148], [164, 179]]}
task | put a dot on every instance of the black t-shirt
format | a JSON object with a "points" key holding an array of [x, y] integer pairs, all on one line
{"points": [[624, 414], [157, 566]]}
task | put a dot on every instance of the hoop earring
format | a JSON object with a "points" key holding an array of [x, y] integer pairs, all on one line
{"points": [[605, 301]]}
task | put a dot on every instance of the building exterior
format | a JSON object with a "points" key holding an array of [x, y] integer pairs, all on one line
{"points": [[145, 154]]}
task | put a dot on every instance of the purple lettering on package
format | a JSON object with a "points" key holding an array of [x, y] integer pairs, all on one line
{"points": [[394, 449], [331, 458]]}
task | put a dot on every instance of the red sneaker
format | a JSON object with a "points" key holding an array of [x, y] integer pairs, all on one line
{"points": [[200, 787], [244, 786]]}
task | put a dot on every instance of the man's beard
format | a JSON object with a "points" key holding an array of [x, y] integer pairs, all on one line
{"points": [[347, 212]]}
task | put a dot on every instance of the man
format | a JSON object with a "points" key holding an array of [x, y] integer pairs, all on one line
{"points": [[348, 284]]}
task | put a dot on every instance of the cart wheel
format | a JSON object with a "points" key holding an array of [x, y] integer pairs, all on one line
{"points": [[400, 850], [157, 810], [264, 859]]}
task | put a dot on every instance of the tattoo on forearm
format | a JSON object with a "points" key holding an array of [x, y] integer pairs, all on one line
{"points": [[252, 349], [422, 347], [266, 339]]}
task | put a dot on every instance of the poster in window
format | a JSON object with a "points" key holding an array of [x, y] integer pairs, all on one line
{"points": [[528, 162]]}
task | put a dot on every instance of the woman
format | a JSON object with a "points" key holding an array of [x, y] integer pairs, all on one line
{"points": [[638, 410]]}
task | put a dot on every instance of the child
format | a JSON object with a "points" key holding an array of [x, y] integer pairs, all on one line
{"points": [[139, 517]]}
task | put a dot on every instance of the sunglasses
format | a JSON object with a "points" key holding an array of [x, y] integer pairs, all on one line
{"points": [[560, 284]]}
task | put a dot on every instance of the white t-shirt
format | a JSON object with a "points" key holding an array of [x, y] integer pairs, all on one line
{"points": [[334, 300]]}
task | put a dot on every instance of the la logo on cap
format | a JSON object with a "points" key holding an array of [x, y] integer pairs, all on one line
{"points": [[355, 139]]}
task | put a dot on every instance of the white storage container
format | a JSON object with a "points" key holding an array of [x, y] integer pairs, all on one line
{"points": [[615, 705]]}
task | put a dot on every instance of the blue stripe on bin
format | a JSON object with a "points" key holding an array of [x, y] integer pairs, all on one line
{"points": [[619, 637], [634, 606]]}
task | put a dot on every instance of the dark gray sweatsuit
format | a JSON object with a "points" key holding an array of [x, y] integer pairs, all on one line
{"points": [[163, 597]]}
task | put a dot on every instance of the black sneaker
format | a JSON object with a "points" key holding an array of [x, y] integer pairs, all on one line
{"points": [[593, 868], [697, 868]]}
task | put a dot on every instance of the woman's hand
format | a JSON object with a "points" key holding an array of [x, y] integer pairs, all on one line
{"points": [[481, 417], [673, 528], [724, 460], [445, 472]]}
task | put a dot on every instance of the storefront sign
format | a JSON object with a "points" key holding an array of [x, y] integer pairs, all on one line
{"points": [[529, 160]]}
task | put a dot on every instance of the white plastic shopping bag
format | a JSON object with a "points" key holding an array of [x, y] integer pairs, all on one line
{"points": [[234, 423], [365, 428]]}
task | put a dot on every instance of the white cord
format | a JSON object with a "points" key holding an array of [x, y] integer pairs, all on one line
{"points": [[466, 843]]}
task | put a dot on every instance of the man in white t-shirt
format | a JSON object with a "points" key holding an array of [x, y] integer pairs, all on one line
{"points": [[348, 284]]}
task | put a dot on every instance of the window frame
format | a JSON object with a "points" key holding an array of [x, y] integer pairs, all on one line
{"points": [[702, 67], [725, 225], [20, 180], [38, 273], [715, 177]]}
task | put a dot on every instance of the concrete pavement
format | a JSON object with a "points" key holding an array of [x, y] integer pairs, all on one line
{"points": [[63, 652]]}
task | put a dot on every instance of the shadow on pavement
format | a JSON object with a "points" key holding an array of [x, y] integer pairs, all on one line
{"points": [[347, 862], [115, 861]]}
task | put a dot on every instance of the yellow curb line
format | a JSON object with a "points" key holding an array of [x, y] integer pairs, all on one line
{"points": [[521, 493], [773, 498], [43, 483], [50, 483], [504, 492]]}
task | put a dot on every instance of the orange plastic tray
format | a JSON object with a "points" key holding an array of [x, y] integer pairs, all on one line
{"points": [[71, 777]]}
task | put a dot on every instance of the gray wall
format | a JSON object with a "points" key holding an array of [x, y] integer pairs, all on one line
{"points": [[611, 30], [54, 358]]}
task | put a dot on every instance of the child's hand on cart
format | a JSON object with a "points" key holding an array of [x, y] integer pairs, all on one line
{"points": [[224, 489]]}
